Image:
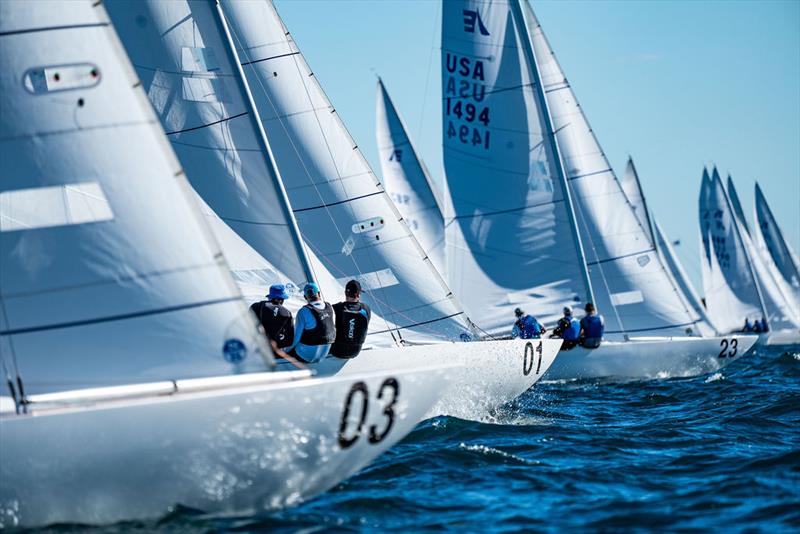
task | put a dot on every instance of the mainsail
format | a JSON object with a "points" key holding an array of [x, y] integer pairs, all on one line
{"points": [[776, 245], [512, 242], [629, 281], [108, 273], [407, 179], [343, 212], [737, 206], [192, 78], [731, 291], [782, 313]]}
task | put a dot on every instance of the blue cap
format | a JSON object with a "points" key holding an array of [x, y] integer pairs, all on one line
{"points": [[277, 291], [310, 289]]}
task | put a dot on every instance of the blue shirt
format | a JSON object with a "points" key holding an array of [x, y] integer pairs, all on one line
{"points": [[305, 321], [526, 327]]}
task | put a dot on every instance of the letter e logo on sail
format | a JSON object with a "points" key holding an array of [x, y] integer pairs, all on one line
{"points": [[471, 18]]}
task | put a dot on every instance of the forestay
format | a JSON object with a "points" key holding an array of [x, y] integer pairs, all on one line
{"points": [[108, 273], [190, 75], [345, 216], [512, 242], [731, 290], [407, 179], [776, 245], [630, 283]]}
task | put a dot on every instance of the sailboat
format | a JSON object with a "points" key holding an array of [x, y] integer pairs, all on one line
{"points": [[134, 376], [542, 220], [737, 283], [345, 225]]}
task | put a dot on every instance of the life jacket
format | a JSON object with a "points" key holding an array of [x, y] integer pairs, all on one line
{"points": [[593, 326], [352, 323], [529, 327], [573, 329], [324, 332], [276, 320]]}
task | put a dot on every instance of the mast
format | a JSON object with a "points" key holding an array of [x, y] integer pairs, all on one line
{"points": [[265, 147], [548, 124]]}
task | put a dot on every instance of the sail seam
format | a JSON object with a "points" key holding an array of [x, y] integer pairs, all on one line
{"points": [[122, 317], [578, 176], [53, 28], [345, 201], [512, 210], [243, 63], [242, 114], [628, 331], [596, 262]]}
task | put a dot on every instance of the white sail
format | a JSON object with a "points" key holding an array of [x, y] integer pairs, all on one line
{"points": [[343, 212], [192, 79], [731, 290], [633, 192], [630, 283], [407, 179], [704, 325], [109, 273], [512, 242], [776, 245]]}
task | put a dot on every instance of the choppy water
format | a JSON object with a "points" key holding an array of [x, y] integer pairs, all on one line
{"points": [[715, 452]]}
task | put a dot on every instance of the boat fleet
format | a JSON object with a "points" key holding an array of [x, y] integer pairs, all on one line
{"points": [[163, 163]]}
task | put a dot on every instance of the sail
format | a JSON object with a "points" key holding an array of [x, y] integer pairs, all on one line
{"points": [[407, 180], [737, 205], [704, 325], [512, 241], [731, 290], [190, 75], [633, 192], [776, 245], [108, 273], [345, 216], [630, 283]]}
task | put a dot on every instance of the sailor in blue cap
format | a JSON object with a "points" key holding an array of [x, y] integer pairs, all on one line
{"points": [[314, 330], [274, 317]]}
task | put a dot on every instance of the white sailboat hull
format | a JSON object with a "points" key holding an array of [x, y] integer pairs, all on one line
{"points": [[779, 338], [648, 358], [491, 373], [235, 449]]}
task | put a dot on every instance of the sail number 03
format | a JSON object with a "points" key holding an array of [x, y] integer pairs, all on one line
{"points": [[733, 345], [347, 436], [527, 359]]}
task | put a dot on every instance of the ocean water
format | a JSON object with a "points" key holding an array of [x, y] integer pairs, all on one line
{"points": [[715, 452]]}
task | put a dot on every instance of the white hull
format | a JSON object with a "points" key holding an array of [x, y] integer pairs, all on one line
{"points": [[780, 337], [491, 374], [647, 358], [233, 449]]}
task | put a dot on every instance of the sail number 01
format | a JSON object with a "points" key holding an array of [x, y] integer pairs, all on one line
{"points": [[348, 437], [527, 359]]}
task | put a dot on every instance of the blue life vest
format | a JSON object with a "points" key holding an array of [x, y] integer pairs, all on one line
{"points": [[529, 327], [593, 326], [573, 332]]}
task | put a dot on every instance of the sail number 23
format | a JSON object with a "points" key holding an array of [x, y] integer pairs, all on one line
{"points": [[726, 351], [349, 436]]}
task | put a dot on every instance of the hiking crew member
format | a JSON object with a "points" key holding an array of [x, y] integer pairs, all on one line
{"points": [[314, 330], [526, 326], [593, 326], [352, 322], [568, 329], [747, 326], [274, 317]]}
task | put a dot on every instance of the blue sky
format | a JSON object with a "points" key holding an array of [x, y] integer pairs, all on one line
{"points": [[676, 84]]}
